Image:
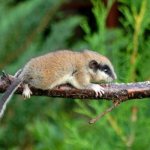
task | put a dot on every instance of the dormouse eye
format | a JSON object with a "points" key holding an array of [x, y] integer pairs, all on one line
{"points": [[105, 68]]}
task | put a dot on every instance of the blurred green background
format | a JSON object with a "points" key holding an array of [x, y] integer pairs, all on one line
{"points": [[118, 29]]}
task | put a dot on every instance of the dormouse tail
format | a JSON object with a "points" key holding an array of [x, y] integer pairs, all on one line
{"points": [[8, 94]]}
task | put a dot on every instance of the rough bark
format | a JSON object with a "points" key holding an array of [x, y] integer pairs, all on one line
{"points": [[113, 91]]}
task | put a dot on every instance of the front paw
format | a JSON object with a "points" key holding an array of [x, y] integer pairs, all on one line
{"points": [[99, 90]]}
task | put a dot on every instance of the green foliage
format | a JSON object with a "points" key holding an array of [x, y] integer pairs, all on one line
{"points": [[96, 40], [33, 27]]}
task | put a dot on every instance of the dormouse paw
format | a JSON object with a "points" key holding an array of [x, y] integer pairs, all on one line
{"points": [[26, 92], [99, 90]]}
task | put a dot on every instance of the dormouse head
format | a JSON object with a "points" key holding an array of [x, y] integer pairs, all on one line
{"points": [[100, 68]]}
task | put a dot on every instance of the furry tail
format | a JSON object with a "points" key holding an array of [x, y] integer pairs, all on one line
{"points": [[8, 94]]}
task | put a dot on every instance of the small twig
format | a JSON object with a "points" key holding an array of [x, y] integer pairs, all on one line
{"points": [[6, 77], [115, 104]]}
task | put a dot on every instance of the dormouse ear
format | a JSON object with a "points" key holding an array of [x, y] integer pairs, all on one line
{"points": [[93, 64]]}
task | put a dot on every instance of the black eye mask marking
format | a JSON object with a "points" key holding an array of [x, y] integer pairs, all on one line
{"points": [[106, 69], [93, 64]]}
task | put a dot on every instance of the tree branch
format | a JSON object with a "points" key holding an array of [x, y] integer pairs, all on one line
{"points": [[113, 91]]}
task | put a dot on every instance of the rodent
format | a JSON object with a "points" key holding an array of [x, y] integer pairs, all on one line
{"points": [[80, 69]]}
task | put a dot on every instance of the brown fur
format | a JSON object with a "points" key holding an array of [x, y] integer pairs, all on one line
{"points": [[59, 67], [53, 69]]}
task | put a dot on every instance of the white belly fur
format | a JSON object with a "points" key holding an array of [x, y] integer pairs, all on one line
{"points": [[65, 79]]}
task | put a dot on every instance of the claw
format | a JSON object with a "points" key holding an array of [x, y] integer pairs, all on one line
{"points": [[99, 90], [26, 92]]}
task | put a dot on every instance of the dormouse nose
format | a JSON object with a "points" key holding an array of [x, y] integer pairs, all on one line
{"points": [[114, 76]]}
